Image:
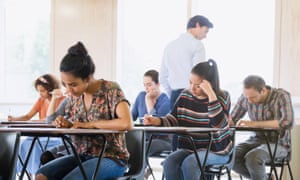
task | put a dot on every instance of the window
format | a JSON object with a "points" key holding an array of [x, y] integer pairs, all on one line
{"points": [[241, 41], [24, 48], [144, 29]]}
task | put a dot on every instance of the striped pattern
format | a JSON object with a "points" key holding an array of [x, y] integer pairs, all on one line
{"points": [[190, 111]]}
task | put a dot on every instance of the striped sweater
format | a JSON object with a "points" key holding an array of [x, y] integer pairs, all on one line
{"points": [[190, 111]]}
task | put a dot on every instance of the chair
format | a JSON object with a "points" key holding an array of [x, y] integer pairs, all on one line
{"points": [[135, 142], [220, 169], [281, 162], [161, 154], [9, 154]]}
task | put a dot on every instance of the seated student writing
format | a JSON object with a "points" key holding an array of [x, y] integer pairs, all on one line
{"points": [[267, 107], [44, 84], [93, 103], [204, 104], [155, 103]]}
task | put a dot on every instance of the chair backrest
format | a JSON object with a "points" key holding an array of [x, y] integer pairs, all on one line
{"points": [[230, 162], [232, 155], [9, 154], [135, 142]]}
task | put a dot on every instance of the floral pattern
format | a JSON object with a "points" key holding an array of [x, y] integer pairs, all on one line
{"points": [[103, 107]]}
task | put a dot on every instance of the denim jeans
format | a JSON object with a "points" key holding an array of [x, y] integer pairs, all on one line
{"points": [[34, 160], [251, 156], [66, 168], [182, 164]]}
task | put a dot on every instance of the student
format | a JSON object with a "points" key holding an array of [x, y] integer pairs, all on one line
{"points": [[44, 84], [155, 103], [93, 104], [267, 107], [204, 104], [152, 102]]}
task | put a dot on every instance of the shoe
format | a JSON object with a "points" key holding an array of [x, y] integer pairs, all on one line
{"points": [[147, 173]]}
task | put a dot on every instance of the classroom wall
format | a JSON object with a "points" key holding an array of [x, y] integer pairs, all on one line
{"points": [[287, 43], [295, 152], [287, 65], [91, 21]]}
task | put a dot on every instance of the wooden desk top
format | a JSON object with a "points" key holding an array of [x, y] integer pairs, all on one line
{"points": [[20, 122]]}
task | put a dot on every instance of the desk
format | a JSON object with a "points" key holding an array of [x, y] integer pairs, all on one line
{"points": [[37, 148], [265, 132], [185, 132], [5, 122], [62, 132]]}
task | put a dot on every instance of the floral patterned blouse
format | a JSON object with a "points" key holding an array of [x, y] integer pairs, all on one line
{"points": [[103, 107]]}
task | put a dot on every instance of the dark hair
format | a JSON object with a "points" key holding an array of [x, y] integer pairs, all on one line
{"points": [[201, 20], [78, 62], [254, 81], [208, 70], [48, 81], [153, 74]]}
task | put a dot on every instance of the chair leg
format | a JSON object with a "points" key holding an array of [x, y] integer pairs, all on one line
{"points": [[290, 170], [228, 173], [163, 176], [281, 171]]}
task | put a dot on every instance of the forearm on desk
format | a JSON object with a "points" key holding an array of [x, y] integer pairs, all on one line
{"points": [[259, 124]]}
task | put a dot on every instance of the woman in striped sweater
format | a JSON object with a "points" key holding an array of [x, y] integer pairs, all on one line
{"points": [[204, 104]]}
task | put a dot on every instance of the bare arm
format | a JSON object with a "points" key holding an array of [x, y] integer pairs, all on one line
{"points": [[123, 122], [150, 104], [25, 117], [56, 94], [258, 124]]}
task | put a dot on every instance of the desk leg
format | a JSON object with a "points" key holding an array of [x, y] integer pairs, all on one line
{"points": [[65, 144], [76, 157], [27, 158], [100, 157], [197, 157], [272, 156], [147, 159], [22, 164]]}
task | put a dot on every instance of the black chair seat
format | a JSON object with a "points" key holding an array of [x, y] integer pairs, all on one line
{"points": [[222, 169], [10, 142], [135, 142]]}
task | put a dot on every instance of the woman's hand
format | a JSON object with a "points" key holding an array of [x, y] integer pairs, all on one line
{"points": [[9, 118], [57, 93], [150, 120], [208, 90], [61, 122], [244, 123]]}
